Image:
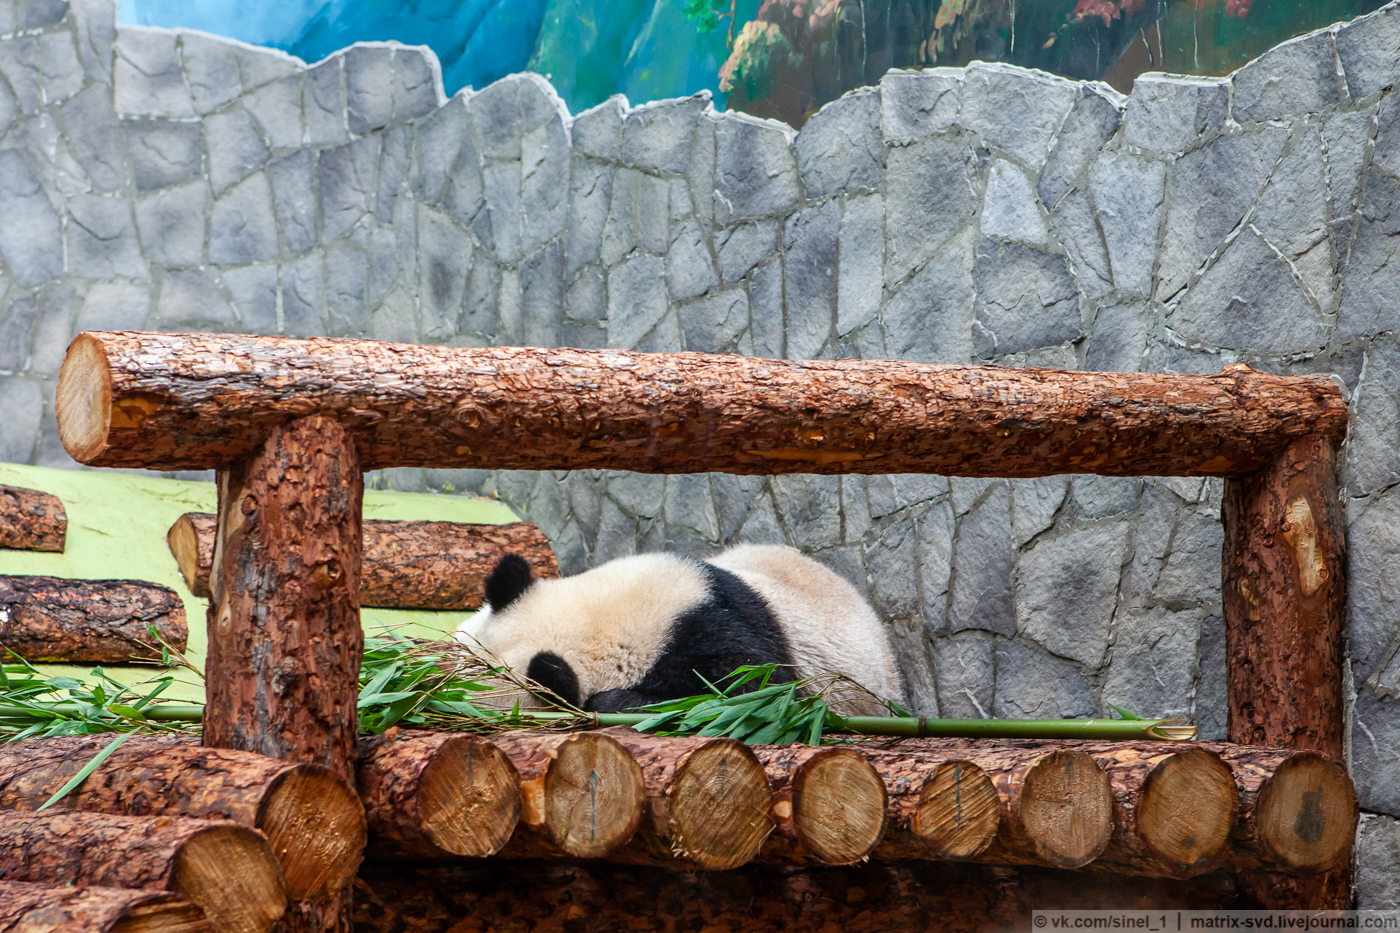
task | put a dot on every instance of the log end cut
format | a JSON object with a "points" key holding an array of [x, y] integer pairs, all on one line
{"points": [[593, 796], [315, 825], [719, 802], [1307, 813], [1066, 808], [958, 812], [171, 917], [231, 874], [83, 401], [838, 806], [1187, 809], [469, 798], [184, 538]]}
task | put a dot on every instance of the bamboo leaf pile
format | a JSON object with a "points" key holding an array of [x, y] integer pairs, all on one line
{"points": [[449, 686]]}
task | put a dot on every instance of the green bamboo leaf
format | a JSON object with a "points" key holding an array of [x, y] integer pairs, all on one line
{"points": [[88, 768]]}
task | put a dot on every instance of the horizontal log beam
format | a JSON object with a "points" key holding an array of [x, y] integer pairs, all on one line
{"points": [[31, 520], [405, 565], [88, 621], [183, 401]]}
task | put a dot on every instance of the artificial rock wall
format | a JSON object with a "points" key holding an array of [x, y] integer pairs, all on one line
{"points": [[174, 181]]}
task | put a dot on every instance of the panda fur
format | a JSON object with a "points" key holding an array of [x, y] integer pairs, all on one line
{"points": [[646, 628]]}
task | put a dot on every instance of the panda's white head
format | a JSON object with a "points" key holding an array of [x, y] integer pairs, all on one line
{"points": [[599, 630]]}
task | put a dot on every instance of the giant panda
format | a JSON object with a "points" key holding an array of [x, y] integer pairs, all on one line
{"points": [[647, 628]]}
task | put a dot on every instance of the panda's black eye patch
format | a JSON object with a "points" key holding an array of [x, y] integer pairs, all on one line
{"points": [[554, 674], [508, 580]]}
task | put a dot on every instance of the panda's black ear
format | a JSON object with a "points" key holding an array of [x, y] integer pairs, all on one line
{"points": [[510, 578]]}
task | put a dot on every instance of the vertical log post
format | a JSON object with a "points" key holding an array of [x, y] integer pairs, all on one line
{"points": [[1284, 594], [285, 643]]}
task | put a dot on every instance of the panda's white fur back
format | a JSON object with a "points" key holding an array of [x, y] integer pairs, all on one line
{"points": [[828, 624]]}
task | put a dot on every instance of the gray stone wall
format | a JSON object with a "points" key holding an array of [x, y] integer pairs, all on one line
{"points": [[175, 181]]}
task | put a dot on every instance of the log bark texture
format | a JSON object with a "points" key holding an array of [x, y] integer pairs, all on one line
{"points": [[942, 806], [227, 870], [540, 896], [31, 908], [405, 565], [31, 520], [1284, 592], [284, 619], [581, 794], [312, 819], [828, 805], [438, 794], [707, 803], [187, 401], [88, 621]]}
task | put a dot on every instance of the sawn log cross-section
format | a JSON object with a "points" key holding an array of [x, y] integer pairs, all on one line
{"points": [[290, 426]]}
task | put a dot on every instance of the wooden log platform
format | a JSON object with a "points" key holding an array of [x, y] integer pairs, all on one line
{"points": [[405, 565], [200, 401], [88, 621], [32, 908], [224, 868], [942, 806], [437, 794], [312, 819], [31, 520]]}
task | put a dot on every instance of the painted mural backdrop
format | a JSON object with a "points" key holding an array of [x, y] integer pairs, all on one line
{"points": [[775, 58]]}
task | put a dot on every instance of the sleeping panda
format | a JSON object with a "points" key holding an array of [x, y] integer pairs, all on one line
{"points": [[647, 628]]}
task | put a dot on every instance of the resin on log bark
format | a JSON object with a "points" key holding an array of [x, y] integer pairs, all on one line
{"points": [[88, 621], [199, 401], [312, 819], [707, 801], [227, 870], [284, 619], [438, 794], [405, 565], [42, 908], [31, 520]]}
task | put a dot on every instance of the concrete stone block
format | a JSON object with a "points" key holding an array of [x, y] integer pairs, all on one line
{"points": [[755, 170], [1128, 194], [1169, 113], [713, 323], [9, 108], [544, 184], [808, 504], [1077, 229], [294, 200], [163, 153], [1031, 684], [393, 170], [1015, 110], [1298, 76], [102, 238], [1373, 445], [700, 169], [690, 270], [1373, 581], [148, 81], [369, 87], [890, 556], [346, 178], [258, 65], [253, 290], [636, 299], [1375, 752], [36, 14], [542, 295], [590, 191], [1371, 276], [192, 300], [743, 247], [666, 336], [734, 496], [236, 149], [929, 318], [888, 493], [444, 261], [1026, 298], [30, 239], [347, 313], [983, 561], [935, 564], [323, 103], [396, 318], [689, 504], [242, 226], [1249, 299], [1369, 50], [1091, 123], [1192, 569], [839, 150], [17, 333], [23, 404], [440, 139], [1118, 338], [171, 224], [597, 132], [1101, 496], [277, 108], [809, 244], [862, 254], [1209, 192], [1034, 503], [302, 286], [211, 71], [1153, 663], [96, 24], [966, 669], [1010, 210], [641, 494], [501, 184], [90, 125], [1209, 707], [115, 306], [57, 308], [1072, 576], [21, 66], [918, 103], [417, 85], [58, 59], [929, 195], [656, 137], [1377, 863]]}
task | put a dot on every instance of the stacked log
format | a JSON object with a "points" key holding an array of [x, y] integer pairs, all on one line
{"points": [[828, 805], [31, 520], [312, 819], [405, 565], [438, 794], [88, 621], [224, 868], [29, 908], [942, 806]]}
